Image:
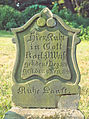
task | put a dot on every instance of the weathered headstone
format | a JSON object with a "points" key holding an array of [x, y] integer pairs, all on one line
{"points": [[46, 73]]}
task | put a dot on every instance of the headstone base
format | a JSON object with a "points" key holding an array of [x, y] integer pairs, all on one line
{"points": [[24, 113]]}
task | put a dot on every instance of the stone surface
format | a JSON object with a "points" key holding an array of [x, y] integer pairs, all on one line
{"points": [[44, 56], [36, 94], [46, 68], [69, 102], [13, 40], [41, 21], [13, 115], [46, 13], [51, 22], [44, 114]]}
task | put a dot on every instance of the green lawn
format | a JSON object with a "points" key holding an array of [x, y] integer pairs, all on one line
{"points": [[6, 33], [7, 59], [83, 62]]}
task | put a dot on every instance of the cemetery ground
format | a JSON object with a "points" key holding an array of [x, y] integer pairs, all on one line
{"points": [[7, 60]]}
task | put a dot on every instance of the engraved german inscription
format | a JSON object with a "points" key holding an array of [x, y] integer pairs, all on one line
{"points": [[46, 90], [45, 55]]}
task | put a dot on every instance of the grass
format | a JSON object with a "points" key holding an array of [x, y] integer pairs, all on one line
{"points": [[4, 33], [7, 56], [7, 59], [83, 62]]}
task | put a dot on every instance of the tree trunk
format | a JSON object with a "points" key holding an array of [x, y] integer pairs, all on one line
{"points": [[77, 5], [69, 5]]}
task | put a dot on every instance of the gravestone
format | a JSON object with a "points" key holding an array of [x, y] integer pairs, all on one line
{"points": [[46, 74]]}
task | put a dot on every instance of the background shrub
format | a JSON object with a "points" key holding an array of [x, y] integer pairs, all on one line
{"points": [[30, 11], [11, 18]]}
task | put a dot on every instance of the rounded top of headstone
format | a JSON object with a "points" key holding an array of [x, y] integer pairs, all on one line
{"points": [[51, 22], [46, 18], [41, 21], [46, 13]]}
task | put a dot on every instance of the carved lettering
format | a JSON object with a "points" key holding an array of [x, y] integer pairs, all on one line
{"points": [[45, 90], [45, 55]]}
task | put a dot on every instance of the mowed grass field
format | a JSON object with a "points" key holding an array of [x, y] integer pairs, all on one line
{"points": [[7, 59]]}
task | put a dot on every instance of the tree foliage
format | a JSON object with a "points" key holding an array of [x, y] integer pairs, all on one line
{"points": [[76, 6]]}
